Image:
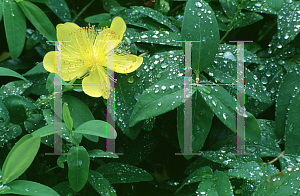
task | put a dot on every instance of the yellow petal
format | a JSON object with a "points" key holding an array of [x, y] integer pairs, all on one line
{"points": [[95, 84], [72, 67], [48, 62], [114, 33], [77, 41], [127, 63]]}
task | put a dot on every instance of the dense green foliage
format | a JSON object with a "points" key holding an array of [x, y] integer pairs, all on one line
{"points": [[149, 102]]}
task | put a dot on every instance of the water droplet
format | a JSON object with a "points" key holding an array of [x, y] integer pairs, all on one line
{"points": [[159, 103], [198, 4], [130, 79], [163, 87], [264, 80], [224, 116], [137, 96]]}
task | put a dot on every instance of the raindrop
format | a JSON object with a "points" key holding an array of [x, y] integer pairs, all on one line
{"points": [[224, 116], [130, 79], [264, 80], [159, 103], [198, 4], [163, 87], [137, 96]]}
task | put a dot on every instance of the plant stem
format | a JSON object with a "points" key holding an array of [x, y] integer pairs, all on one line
{"points": [[266, 32], [44, 100], [88, 5], [272, 161], [76, 143], [232, 21], [51, 169]]}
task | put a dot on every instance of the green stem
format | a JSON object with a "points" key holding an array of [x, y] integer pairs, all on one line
{"points": [[266, 32], [88, 5], [76, 143], [44, 100], [232, 21], [51, 169]]}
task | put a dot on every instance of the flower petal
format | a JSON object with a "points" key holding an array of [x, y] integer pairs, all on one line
{"points": [[72, 67], [114, 33], [48, 62], [127, 63], [78, 42], [95, 84]]}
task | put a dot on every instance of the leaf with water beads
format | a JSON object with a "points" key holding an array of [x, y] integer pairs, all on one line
{"points": [[61, 9], [253, 171], [200, 24], [164, 96], [246, 18], [101, 184], [158, 37], [288, 25], [127, 89], [218, 184], [157, 16], [201, 123], [260, 6], [287, 90], [292, 128], [116, 172], [284, 183]]}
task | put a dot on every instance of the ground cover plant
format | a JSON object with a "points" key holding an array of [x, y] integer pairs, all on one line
{"points": [[144, 115]]}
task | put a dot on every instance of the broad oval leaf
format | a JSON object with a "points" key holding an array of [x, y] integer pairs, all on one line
{"points": [[97, 128], [39, 19], [200, 24], [61, 9], [24, 187], [20, 158], [78, 164], [15, 28], [8, 72], [165, 95], [101, 184], [116, 172]]}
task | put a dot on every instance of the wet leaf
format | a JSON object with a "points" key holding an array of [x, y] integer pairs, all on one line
{"points": [[284, 183], [260, 6], [201, 123], [116, 172], [61, 9], [287, 89], [157, 16], [100, 153], [78, 167], [253, 171], [101, 184], [229, 7], [200, 24], [246, 18]]}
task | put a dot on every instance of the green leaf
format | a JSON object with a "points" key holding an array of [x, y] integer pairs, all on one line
{"points": [[24, 187], [61, 9], [38, 69], [78, 164], [101, 184], [202, 119], [284, 183], [223, 157], [4, 115], [253, 171], [287, 89], [108, 4], [60, 160], [292, 127], [67, 116], [47, 130], [18, 107], [116, 172], [97, 128], [275, 4], [287, 25], [200, 25], [39, 19], [100, 153], [40, 1], [20, 158], [80, 113], [157, 16], [15, 28], [246, 18], [229, 7], [1, 9], [64, 188], [98, 18], [218, 184], [9, 131], [196, 176], [260, 6], [223, 105], [164, 96], [157, 37], [127, 88]]}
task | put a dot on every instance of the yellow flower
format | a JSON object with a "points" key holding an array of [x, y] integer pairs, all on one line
{"points": [[84, 52]]}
